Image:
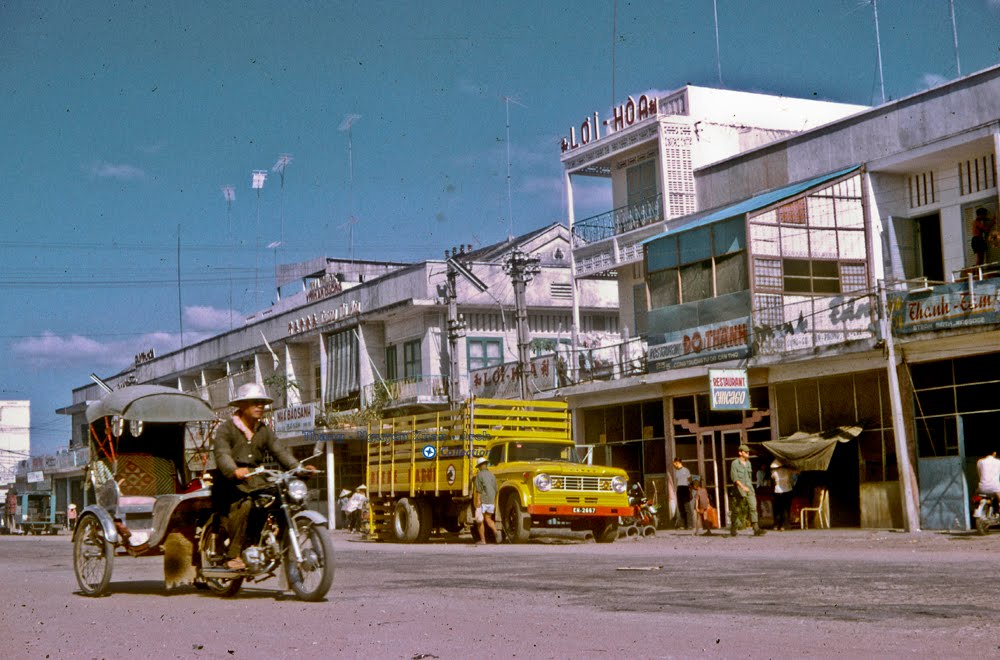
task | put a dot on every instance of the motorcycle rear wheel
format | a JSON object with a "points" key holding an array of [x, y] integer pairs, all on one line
{"points": [[311, 579], [208, 546], [982, 526]]}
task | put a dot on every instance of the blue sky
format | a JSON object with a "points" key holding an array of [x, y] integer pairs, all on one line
{"points": [[124, 121]]}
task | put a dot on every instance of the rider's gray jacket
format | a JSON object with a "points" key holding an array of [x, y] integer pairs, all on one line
{"points": [[232, 449]]}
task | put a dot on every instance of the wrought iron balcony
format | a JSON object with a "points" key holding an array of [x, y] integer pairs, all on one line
{"points": [[416, 389], [618, 221]]}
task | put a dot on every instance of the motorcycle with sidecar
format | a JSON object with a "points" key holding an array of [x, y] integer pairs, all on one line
{"points": [[149, 501]]}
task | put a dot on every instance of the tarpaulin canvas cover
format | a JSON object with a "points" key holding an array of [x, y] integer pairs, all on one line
{"points": [[810, 451]]}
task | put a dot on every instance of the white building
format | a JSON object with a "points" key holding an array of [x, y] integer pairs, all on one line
{"points": [[15, 438], [778, 273]]}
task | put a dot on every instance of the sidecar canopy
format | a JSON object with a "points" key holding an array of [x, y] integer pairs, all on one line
{"points": [[151, 403]]}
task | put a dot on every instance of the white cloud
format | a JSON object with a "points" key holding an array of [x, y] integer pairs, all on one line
{"points": [[929, 80], [77, 351], [104, 170], [199, 317], [153, 148]]}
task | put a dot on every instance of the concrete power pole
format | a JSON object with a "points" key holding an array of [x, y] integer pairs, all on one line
{"points": [[456, 329], [521, 269]]}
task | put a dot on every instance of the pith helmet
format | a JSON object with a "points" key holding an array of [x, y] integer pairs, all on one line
{"points": [[251, 392]]}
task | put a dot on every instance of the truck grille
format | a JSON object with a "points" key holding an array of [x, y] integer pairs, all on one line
{"points": [[581, 483]]}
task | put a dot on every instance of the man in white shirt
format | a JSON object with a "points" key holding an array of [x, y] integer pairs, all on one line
{"points": [[989, 476]]}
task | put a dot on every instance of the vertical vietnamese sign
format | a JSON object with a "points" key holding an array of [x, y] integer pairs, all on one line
{"points": [[729, 389]]}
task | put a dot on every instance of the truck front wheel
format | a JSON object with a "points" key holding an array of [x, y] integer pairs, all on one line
{"points": [[516, 523], [605, 530]]}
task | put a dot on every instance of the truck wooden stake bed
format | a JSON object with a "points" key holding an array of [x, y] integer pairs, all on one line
{"points": [[420, 469]]}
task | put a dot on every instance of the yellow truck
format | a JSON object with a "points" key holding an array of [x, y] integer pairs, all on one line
{"points": [[420, 468]]}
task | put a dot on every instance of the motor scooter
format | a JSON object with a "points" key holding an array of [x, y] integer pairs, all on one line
{"points": [[985, 512]]}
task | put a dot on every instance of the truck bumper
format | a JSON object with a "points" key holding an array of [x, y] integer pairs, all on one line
{"points": [[567, 510]]}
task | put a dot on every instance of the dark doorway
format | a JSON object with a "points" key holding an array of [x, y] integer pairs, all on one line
{"points": [[929, 246]]}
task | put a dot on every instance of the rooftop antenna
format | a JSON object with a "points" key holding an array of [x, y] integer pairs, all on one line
{"points": [[229, 193], [614, 39], [345, 125], [279, 167], [510, 211], [274, 245], [878, 48], [257, 183], [954, 34], [718, 59]]}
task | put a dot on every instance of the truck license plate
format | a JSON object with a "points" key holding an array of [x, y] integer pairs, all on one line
{"points": [[584, 509]]}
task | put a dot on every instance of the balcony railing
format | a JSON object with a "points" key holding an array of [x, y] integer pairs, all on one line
{"points": [[601, 363], [428, 388], [618, 221]]}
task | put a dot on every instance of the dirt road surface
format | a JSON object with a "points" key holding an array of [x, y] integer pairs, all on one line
{"points": [[824, 593]]}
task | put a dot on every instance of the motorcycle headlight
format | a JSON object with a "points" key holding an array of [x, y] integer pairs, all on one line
{"points": [[618, 484], [543, 482], [297, 490]]}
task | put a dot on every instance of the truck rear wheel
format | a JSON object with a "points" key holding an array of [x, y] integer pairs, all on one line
{"points": [[425, 518], [405, 521], [516, 523]]}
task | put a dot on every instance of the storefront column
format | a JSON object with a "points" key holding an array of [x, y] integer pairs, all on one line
{"points": [[668, 451], [331, 494]]}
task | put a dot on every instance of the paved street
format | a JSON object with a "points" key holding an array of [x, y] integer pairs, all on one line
{"points": [[791, 594]]}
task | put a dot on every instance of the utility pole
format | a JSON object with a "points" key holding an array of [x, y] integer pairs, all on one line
{"points": [[911, 499], [521, 269], [456, 328]]}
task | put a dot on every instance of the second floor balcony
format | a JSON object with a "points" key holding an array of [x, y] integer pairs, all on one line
{"points": [[617, 221]]}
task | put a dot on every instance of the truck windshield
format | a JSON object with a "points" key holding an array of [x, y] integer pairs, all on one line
{"points": [[540, 451]]}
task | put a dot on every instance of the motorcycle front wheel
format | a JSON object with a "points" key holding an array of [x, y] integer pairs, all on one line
{"points": [[93, 555], [212, 556], [311, 578]]}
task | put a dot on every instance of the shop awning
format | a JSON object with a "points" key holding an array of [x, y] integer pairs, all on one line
{"points": [[810, 451], [753, 204]]}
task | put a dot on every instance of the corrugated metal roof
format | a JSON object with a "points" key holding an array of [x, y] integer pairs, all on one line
{"points": [[756, 202]]}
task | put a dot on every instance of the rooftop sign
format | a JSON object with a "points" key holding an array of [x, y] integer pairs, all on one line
{"points": [[623, 116]]}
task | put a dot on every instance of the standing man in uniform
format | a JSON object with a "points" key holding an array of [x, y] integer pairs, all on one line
{"points": [[741, 474], [682, 478], [484, 499]]}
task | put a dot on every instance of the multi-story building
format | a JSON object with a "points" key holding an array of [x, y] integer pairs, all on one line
{"points": [[779, 277], [361, 337]]}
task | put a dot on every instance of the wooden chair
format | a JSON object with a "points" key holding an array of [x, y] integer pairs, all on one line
{"points": [[822, 510]]}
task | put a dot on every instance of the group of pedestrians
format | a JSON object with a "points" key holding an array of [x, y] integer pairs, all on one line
{"points": [[352, 507], [693, 498]]}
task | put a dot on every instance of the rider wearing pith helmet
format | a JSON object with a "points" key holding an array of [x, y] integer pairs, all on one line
{"points": [[250, 392]]}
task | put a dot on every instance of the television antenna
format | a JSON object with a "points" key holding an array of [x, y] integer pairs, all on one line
{"points": [[510, 209], [229, 193], [274, 245], [283, 161], [878, 49], [257, 183], [346, 125], [954, 34]]}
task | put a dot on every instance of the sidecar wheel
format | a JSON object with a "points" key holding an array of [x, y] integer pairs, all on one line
{"points": [[208, 549], [311, 579], [93, 556]]}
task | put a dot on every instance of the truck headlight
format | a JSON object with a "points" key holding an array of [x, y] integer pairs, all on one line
{"points": [[618, 484], [297, 490], [543, 482]]}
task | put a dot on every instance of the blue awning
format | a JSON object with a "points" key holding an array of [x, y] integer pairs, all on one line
{"points": [[754, 203]]}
